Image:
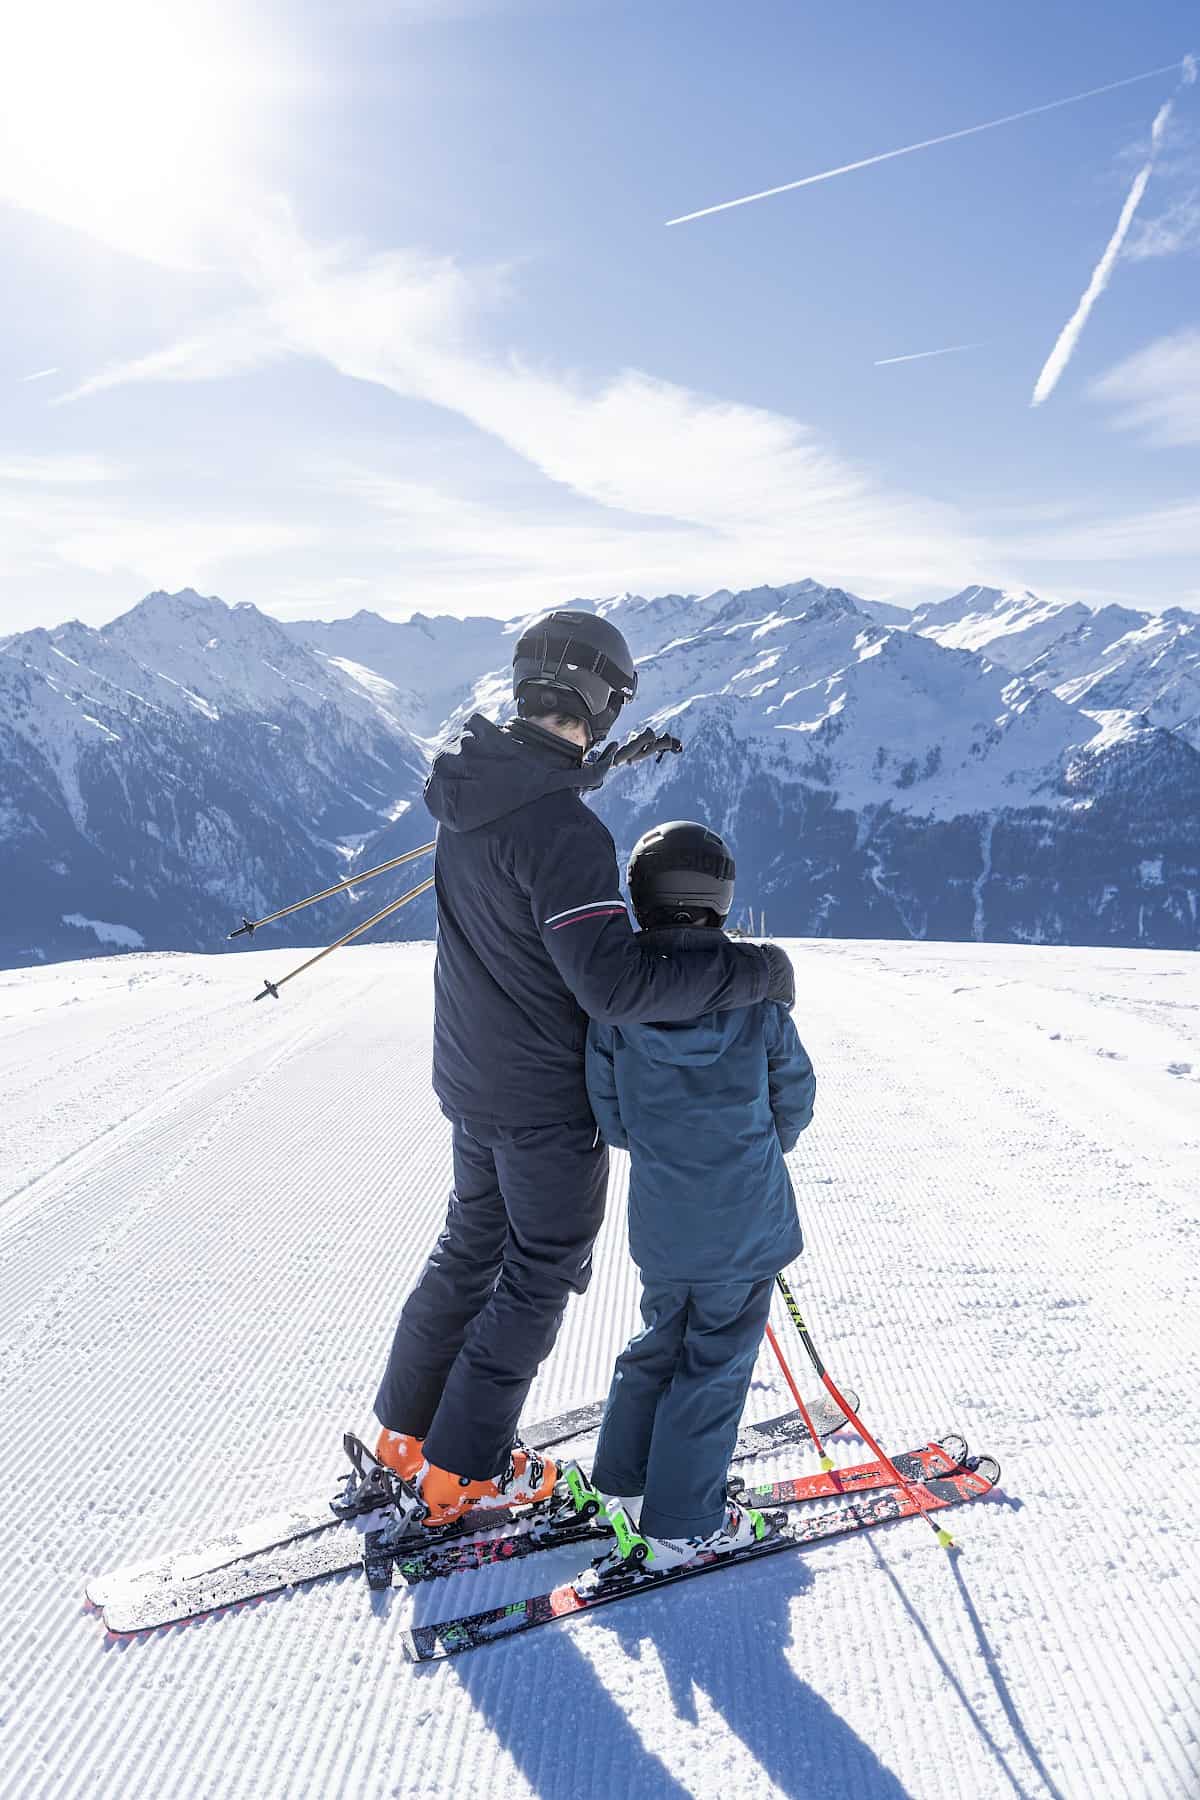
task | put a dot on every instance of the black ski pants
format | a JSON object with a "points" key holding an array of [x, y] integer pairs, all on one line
{"points": [[524, 1212]]}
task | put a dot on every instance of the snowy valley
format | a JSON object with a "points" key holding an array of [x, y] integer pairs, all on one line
{"points": [[991, 767]]}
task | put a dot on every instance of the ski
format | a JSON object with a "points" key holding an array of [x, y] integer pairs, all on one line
{"points": [[426, 1643], [433, 1562], [311, 1543], [292, 1522]]}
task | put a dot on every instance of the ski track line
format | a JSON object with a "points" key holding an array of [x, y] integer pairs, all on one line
{"points": [[71, 1117], [186, 1035], [191, 1238], [991, 1217], [122, 1173], [992, 1243], [91, 1068]]}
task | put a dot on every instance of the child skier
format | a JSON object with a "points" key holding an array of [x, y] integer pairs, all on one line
{"points": [[706, 1110]]}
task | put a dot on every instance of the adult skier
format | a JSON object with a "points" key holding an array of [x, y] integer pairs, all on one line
{"points": [[533, 939]]}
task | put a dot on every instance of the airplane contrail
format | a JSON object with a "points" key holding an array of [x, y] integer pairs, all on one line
{"points": [[1072, 331], [38, 375], [920, 355], [947, 137]]}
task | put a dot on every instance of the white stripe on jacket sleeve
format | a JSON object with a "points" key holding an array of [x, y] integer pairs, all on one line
{"points": [[586, 907]]}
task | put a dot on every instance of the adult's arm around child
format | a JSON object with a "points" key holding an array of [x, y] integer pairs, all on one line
{"points": [[602, 1086], [571, 877], [793, 1086]]}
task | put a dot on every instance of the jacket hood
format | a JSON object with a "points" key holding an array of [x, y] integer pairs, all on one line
{"points": [[693, 1042], [492, 771]]}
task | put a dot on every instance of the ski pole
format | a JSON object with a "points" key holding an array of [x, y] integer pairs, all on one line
{"points": [[942, 1535], [248, 927], [273, 987], [810, 1426]]}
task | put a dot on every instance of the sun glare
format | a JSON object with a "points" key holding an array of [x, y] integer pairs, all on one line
{"points": [[133, 121]]}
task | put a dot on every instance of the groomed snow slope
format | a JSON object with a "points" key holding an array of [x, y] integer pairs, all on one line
{"points": [[212, 1210]]}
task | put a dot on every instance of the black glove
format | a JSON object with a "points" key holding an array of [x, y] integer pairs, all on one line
{"points": [[635, 749], [781, 984]]}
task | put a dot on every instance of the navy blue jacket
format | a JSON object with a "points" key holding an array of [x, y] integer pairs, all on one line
{"points": [[706, 1111], [534, 937]]}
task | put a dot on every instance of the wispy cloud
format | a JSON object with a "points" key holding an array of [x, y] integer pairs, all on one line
{"points": [[1175, 230], [1172, 530], [463, 542], [920, 355], [1157, 391], [627, 481], [39, 375], [1072, 331], [172, 545], [947, 137], [402, 308], [177, 548], [53, 471], [238, 344], [747, 485]]}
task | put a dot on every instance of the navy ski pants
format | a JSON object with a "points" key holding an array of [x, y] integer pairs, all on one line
{"points": [[675, 1404], [524, 1212]]}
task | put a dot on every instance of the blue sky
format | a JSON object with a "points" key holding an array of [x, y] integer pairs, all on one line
{"points": [[377, 305]]}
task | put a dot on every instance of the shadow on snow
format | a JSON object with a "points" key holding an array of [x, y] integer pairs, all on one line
{"points": [[992, 1664], [546, 1699]]}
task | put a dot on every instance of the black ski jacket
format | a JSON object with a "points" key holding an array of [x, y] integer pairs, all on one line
{"points": [[534, 937]]}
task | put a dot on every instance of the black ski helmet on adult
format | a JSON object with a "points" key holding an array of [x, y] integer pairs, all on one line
{"points": [[679, 871], [575, 664]]}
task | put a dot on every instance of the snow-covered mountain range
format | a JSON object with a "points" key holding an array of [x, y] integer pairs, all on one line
{"points": [[876, 781], [991, 766], [186, 763], [1113, 661]]}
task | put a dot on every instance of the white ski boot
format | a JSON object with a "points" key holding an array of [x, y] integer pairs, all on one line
{"points": [[639, 1553]]}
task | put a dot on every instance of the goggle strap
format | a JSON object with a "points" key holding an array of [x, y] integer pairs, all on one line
{"points": [[544, 647]]}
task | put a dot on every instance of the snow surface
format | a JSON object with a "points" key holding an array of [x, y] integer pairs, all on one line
{"points": [[212, 1210]]}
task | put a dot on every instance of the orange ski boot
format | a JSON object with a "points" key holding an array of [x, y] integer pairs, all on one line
{"points": [[528, 1480], [403, 1455]]}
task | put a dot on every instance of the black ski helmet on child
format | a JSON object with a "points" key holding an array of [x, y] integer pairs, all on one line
{"points": [[576, 664], [682, 867]]}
